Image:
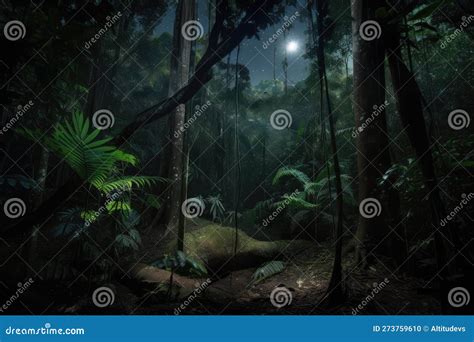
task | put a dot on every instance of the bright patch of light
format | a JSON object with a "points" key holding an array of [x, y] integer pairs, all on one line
{"points": [[292, 46]]}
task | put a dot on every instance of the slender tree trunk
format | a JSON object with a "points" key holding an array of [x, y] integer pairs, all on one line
{"points": [[285, 62], [264, 150], [274, 68], [225, 140], [213, 55], [335, 288], [180, 62]]}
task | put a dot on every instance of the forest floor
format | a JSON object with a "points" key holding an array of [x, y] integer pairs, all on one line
{"points": [[307, 277], [306, 274]]}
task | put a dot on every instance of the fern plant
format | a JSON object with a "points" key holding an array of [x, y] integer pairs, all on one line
{"points": [[216, 207], [317, 194], [318, 190], [97, 162], [102, 166], [94, 160], [91, 158], [267, 270]]}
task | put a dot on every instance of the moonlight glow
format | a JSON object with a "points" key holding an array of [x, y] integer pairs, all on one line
{"points": [[292, 46]]}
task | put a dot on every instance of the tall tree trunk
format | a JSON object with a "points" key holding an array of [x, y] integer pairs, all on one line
{"points": [[285, 63], [215, 52], [238, 170], [410, 109], [274, 69], [185, 154], [179, 75], [369, 91]]}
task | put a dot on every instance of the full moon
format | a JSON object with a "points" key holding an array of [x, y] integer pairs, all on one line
{"points": [[292, 46]]}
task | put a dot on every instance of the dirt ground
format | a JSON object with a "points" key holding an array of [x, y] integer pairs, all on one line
{"points": [[305, 276]]}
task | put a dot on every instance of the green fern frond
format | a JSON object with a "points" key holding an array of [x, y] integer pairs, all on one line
{"points": [[88, 215], [91, 158], [296, 203], [312, 188], [343, 131], [286, 171], [125, 157], [118, 206], [128, 182], [267, 270]]}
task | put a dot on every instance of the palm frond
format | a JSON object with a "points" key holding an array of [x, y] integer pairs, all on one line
{"points": [[91, 158], [118, 206], [128, 182]]}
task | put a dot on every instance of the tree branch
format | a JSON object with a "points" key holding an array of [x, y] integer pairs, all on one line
{"points": [[255, 16]]}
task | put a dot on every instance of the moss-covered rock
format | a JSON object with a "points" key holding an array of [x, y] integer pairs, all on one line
{"points": [[214, 246]]}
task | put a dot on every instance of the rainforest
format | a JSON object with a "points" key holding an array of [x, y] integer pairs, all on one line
{"points": [[236, 157]]}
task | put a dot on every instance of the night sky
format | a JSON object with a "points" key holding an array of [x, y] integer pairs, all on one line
{"points": [[258, 60]]}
